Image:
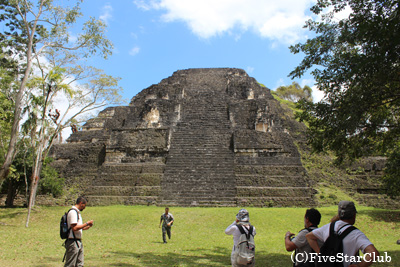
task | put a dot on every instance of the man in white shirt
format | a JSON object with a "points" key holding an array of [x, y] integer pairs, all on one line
{"points": [[352, 243], [73, 245], [243, 219]]}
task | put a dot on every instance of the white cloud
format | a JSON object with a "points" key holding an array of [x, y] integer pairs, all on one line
{"points": [[280, 82], [134, 35], [276, 20], [146, 4], [134, 51], [250, 69], [106, 16], [316, 94]]}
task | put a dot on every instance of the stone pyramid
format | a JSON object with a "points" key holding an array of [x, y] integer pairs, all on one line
{"points": [[202, 137]]}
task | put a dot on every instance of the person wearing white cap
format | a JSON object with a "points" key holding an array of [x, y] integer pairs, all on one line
{"points": [[242, 220], [352, 242]]}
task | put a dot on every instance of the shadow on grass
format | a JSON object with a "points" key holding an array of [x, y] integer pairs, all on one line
{"points": [[10, 213], [382, 215], [204, 258], [49, 262], [218, 256]]}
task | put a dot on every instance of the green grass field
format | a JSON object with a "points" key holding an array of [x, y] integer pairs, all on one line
{"points": [[129, 235]]}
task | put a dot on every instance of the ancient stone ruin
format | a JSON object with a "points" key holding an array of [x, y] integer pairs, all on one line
{"points": [[202, 137]]}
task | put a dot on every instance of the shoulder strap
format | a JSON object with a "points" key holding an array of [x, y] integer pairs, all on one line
{"points": [[240, 229], [77, 213], [332, 228], [347, 231], [243, 232], [69, 229]]}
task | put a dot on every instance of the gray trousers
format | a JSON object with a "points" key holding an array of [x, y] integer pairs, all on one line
{"points": [[74, 255], [166, 230]]}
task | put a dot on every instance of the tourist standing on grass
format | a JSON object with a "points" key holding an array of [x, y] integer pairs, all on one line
{"points": [[167, 219], [352, 243], [73, 245], [242, 223], [299, 243]]}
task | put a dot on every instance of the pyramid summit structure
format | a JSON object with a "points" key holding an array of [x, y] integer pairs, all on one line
{"points": [[202, 137]]}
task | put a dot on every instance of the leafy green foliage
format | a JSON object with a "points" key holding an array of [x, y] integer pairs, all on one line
{"points": [[391, 179], [6, 117], [356, 63], [34, 32], [294, 92], [50, 181]]}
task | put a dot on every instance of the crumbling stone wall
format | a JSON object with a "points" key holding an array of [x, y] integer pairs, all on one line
{"points": [[207, 137]]}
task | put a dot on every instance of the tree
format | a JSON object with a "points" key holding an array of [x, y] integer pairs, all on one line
{"points": [[294, 92], [356, 63], [34, 27], [83, 88]]}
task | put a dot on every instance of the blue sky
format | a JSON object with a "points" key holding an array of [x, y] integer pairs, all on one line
{"points": [[154, 38]]}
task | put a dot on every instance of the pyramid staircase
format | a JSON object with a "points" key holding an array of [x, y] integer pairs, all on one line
{"points": [[199, 164]]}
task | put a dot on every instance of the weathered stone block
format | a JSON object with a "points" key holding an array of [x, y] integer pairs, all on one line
{"points": [[202, 137]]}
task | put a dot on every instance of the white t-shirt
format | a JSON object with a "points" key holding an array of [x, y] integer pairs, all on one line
{"points": [[234, 230], [352, 243], [74, 218]]}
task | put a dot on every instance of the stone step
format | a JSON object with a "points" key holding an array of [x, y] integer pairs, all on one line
{"points": [[123, 190], [289, 192], [186, 202], [277, 160], [132, 168], [122, 200], [142, 179], [272, 181], [268, 201], [270, 169], [379, 201]]}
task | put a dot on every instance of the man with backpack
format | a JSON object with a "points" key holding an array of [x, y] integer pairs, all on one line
{"points": [[342, 241], [243, 232], [299, 243], [73, 245]]}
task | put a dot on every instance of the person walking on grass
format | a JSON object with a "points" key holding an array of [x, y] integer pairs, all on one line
{"points": [[243, 251], [74, 245], [167, 219]]}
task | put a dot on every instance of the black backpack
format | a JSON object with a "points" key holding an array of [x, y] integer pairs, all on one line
{"points": [[64, 230], [333, 246]]}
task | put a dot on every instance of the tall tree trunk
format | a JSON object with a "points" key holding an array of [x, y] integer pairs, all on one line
{"points": [[11, 192], [33, 190], [5, 168], [36, 169]]}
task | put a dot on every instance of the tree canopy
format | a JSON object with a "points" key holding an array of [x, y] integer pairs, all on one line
{"points": [[34, 28], [42, 66], [294, 92], [356, 63]]}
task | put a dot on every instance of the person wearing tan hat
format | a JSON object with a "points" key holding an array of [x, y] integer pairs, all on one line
{"points": [[352, 242]]}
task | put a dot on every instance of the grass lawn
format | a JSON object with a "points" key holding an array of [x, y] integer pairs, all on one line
{"points": [[129, 235]]}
